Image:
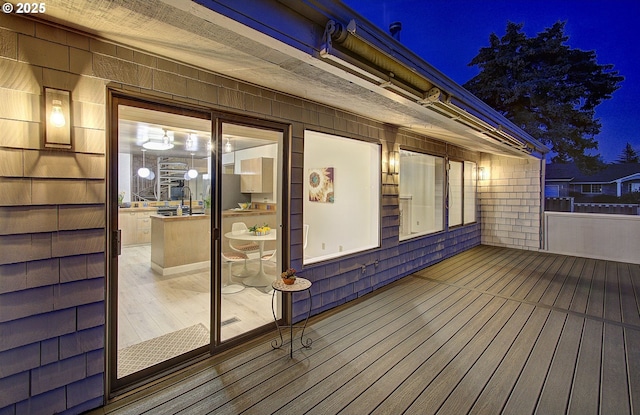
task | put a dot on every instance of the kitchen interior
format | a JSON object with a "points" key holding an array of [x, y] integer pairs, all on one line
{"points": [[165, 181]]}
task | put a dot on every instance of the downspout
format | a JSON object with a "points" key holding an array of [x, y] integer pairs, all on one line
{"points": [[542, 222]]}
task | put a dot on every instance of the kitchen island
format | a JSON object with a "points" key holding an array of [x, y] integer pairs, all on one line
{"points": [[180, 243]]}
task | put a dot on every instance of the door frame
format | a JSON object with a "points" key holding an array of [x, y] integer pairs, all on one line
{"points": [[115, 97], [219, 119], [115, 385]]}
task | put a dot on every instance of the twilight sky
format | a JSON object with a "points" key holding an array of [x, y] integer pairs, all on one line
{"points": [[449, 33]]}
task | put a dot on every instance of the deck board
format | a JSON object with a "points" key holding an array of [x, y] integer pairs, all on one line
{"points": [[352, 378], [489, 331], [585, 389], [581, 294], [614, 387], [555, 393], [497, 390], [525, 393]]}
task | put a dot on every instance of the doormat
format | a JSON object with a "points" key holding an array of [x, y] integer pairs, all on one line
{"points": [[150, 352]]}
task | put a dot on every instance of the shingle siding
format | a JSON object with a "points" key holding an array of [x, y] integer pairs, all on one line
{"points": [[510, 202]]}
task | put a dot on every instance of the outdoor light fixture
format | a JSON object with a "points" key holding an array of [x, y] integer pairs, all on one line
{"points": [[483, 173], [57, 114], [394, 162], [166, 143]]}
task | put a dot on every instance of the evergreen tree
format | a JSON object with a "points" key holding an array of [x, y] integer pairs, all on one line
{"points": [[629, 155], [547, 89]]}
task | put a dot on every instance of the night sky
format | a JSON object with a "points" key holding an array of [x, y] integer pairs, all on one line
{"points": [[449, 33]]}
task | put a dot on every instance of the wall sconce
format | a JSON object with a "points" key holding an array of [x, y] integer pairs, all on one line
{"points": [[393, 162], [483, 173], [57, 118]]}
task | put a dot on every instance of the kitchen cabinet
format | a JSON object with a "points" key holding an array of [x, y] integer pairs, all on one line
{"points": [[256, 175], [127, 225], [135, 226]]}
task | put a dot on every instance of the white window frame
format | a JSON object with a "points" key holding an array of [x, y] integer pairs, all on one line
{"points": [[421, 199]]}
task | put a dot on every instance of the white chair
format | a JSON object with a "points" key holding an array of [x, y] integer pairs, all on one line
{"points": [[269, 256], [227, 284], [242, 247]]}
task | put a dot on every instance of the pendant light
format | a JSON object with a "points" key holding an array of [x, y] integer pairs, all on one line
{"points": [[227, 146], [191, 173], [143, 171]]}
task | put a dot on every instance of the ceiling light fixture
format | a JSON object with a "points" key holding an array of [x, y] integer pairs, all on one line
{"points": [[166, 143], [191, 144], [227, 146]]}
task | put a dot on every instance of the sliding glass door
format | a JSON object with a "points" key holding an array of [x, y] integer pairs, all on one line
{"points": [[250, 204], [195, 235], [162, 283]]}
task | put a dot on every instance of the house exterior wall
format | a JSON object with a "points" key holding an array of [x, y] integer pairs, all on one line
{"points": [[510, 202], [609, 189], [53, 205]]}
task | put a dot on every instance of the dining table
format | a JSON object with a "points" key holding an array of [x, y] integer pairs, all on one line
{"points": [[261, 278]]}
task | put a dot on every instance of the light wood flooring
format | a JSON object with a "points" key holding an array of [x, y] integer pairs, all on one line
{"points": [[151, 305], [489, 331]]}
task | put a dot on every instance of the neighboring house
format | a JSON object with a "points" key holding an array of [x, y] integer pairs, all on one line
{"points": [[369, 163], [566, 180]]}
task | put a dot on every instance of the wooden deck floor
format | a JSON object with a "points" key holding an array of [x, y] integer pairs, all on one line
{"points": [[488, 331]]}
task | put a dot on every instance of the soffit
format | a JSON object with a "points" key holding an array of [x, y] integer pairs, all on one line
{"points": [[185, 31]]}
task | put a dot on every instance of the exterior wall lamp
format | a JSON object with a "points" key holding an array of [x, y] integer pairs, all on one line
{"points": [[394, 162], [57, 118]]}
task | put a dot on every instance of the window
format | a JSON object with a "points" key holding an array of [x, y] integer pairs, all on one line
{"points": [[462, 192], [551, 190], [341, 193], [592, 188], [421, 194], [470, 178]]}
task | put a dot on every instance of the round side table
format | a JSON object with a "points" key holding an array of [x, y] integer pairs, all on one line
{"points": [[301, 284]]}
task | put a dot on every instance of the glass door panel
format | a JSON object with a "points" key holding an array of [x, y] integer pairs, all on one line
{"points": [[164, 270], [251, 240]]}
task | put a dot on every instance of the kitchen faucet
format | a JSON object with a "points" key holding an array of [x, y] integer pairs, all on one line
{"points": [[182, 201]]}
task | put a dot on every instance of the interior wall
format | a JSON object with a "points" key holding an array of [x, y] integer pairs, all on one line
{"points": [[351, 222]]}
